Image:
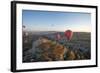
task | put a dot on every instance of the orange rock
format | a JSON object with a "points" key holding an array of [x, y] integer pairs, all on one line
{"points": [[71, 55], [50, 51]]}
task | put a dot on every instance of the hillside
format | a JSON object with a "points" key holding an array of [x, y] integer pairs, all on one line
{"points": [[45, 47]]}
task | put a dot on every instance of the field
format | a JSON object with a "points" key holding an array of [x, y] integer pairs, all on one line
{"points": [[41, 46]]}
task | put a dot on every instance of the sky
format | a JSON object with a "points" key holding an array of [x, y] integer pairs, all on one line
{"points": [[56, 21]]}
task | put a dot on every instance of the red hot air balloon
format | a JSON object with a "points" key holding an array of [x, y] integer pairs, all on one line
{"points": [[68, 34]]}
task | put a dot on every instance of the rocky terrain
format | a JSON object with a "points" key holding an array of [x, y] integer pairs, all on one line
{"points": [[38, 48]]}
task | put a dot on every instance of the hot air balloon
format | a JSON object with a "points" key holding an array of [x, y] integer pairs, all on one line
{"points": [[23, 26], [58, 36], [78, 35], [68, 34]]}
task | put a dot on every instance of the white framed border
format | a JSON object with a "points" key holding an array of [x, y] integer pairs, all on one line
{"points": [[39, 65]]}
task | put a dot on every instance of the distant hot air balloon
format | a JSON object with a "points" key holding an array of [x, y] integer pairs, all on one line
{"points": [[68, 34], [58, 36], [78, 35], [23, 26]]}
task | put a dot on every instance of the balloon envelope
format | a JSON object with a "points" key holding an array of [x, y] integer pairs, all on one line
{"points": [[23, 26], [78, 35], [58, 36], [69, 34]]}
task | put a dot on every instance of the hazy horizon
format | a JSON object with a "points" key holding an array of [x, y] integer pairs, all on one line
{"points": [[50, 31]]}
